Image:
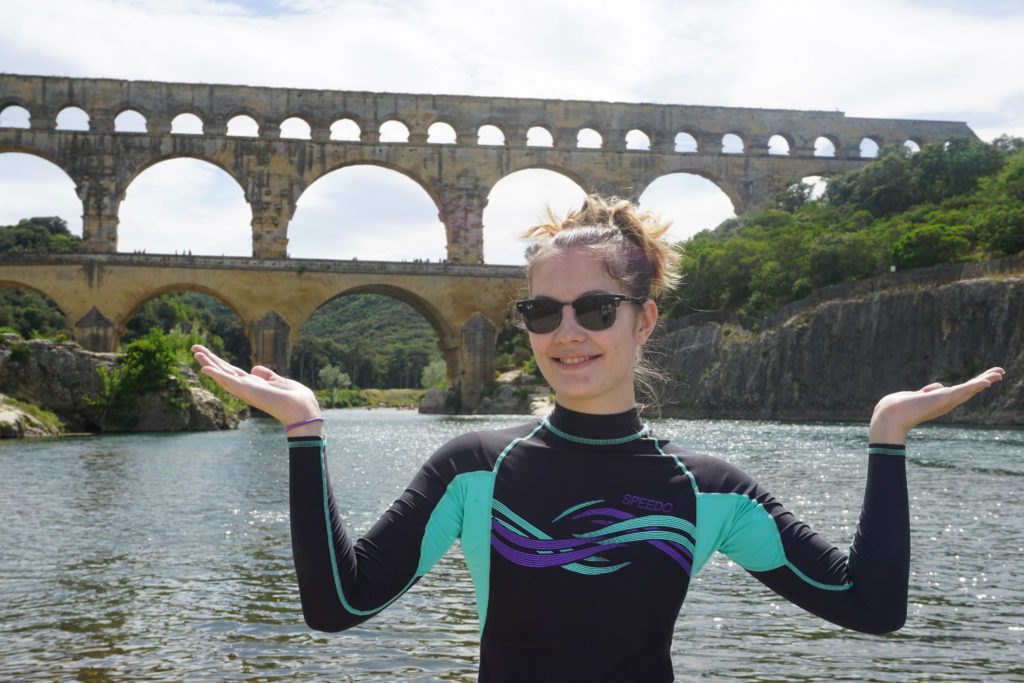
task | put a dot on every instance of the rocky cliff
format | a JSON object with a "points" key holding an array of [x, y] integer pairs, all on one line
{"points": [[59, 378], [833, 359]]}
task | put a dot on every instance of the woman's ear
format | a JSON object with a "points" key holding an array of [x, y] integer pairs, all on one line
{"points": [[646, 321]]}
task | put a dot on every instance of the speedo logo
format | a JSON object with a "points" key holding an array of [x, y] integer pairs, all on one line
{"points": [[648, 504]]}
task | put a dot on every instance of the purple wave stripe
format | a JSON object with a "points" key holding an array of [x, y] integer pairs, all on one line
{"points": [[610, 512], [538, 543], [668, 550], [527, 559]]}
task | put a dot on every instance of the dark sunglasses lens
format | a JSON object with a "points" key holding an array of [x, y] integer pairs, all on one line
{"points": [[541, 317], [596, 312]]}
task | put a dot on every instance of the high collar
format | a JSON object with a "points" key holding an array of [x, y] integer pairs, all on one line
{"points": [[599, 427]]}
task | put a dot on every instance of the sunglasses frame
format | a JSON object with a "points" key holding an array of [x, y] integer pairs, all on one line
{"points": [[607, 307]]}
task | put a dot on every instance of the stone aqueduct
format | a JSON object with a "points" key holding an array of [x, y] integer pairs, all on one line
{"points": [[463, 299]]}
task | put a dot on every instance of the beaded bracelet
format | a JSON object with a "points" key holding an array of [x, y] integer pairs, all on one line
{"points": [[303, 422]]}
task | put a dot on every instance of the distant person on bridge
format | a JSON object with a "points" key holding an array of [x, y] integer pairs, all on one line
{"points": [[582, 531]]}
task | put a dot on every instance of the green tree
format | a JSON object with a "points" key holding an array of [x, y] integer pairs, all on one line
{"points": [[333, 377]]}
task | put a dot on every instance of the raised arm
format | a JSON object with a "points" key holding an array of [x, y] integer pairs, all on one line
{"points": [[896, 414], [280, 397], [865, 590]]}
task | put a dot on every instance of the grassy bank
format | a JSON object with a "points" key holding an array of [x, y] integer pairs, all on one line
{"points": [[370, 398]]}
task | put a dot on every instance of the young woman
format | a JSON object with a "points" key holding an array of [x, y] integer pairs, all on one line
{"points": [[583, 530]]}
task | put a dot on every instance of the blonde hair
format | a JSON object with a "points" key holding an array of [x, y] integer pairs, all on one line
{"points": [[628, 241]]}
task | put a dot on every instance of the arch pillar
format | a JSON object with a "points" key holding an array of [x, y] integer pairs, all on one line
{"points": [[270, 343], [478, 337], [99, 195], [462, 212], [96, 332]]}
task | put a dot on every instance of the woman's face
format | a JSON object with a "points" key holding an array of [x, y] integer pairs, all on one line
{"points": [[590, 372]]}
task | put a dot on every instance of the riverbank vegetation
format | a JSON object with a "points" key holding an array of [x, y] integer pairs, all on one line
{"points": [[962, 200]]}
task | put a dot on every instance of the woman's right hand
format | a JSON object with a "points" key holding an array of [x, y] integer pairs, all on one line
{"points": [[285, 399]]}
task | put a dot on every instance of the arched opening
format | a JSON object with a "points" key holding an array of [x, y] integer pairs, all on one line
{"points": [[539, 136], [912, 146], [588, 138], [778, 145], [185, 314], [394, 131], [243, 125], [32, 186], [72, 118], [490, 135], [32, 315], [296, 128], [346, 129], [186, 124], [692, 203], [685, 143], [519, 201], [732, 144], [824, 147], [367, 341], [14, 116], [868, 148], [817, 183], [441, 133], [369, 213], [130, 121], [185, 206], [637, 139]]}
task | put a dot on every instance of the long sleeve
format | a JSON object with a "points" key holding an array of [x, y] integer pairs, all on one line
{"points": [[342, 583], [865, 590]]}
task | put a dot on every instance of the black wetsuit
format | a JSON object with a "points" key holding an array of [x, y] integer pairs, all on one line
{"points": [[581, 534]]}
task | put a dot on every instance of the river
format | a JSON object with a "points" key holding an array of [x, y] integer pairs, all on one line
{"points": [[167, 557]]}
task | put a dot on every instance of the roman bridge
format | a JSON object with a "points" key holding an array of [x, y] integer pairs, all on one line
{"points": [[605, 147], [456, 148], [99, 293]]}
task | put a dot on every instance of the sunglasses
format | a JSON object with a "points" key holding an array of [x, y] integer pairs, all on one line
{"points": [[594, 312]]}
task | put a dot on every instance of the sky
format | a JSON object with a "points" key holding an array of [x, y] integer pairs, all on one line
{"points": [[921, 59]]}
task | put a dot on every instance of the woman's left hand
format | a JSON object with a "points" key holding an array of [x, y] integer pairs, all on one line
{"points": [[896, 414]]}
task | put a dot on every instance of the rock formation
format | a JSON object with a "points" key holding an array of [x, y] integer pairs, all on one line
{"points": [[832, 360], [58, 377]]}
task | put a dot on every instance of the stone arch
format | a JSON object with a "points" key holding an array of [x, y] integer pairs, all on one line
{"points": [[826, 146], [295, 127], [486, 130], [734, 142], [47, 174], [685, 142], [690, 200], [12, 112], [128, 120], [780, 144], [733, 192], [346, 128], [442, 133], [390, 128], [518, 199], [427, 249], [142, 298], [72, 116], [539, 135], [912, 145], [447, 334], [638, 139], [589, 137], [242, 121], [186, 119], [869, 148], [216, 230]]}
